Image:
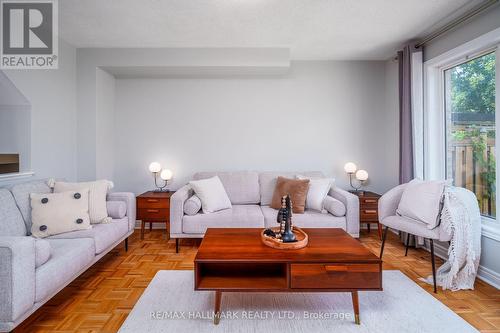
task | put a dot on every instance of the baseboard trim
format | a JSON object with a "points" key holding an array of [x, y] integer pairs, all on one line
{"points": [[156, 225], [489, 276]]}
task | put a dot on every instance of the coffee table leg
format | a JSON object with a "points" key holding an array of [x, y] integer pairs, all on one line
{"points": [[218, 298], [355, 305]]}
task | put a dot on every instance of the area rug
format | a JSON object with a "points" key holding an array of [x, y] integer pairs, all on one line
{"points": [[170, 304]]}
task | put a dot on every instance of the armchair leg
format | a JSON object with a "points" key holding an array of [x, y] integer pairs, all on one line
{"points": [[433, 266], [126, 244], [407, 243], [383, 241], [177, 245]]}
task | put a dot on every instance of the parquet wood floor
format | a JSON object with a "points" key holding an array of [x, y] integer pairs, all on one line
{"points": [[100, 299]]}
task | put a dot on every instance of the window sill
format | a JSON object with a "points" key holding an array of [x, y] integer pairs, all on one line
{"points": [[17, 175], [491, 229]]}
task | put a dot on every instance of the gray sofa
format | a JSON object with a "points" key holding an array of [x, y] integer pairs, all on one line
{"points": [[250, 194], [33, 270]]}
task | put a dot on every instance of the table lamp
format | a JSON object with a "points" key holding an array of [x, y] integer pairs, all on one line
{"points": [[165, 175], [360, 175]]}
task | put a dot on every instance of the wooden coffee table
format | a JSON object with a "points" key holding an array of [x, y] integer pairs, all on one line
{"points": [[236, 260]]}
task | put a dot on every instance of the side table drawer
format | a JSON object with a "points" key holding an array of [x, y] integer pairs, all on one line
{"points": [[335, 276], [368, 214], [368, 201], [152, 203], [153, 213]]}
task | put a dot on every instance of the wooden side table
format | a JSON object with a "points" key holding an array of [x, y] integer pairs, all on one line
{"points": [[153, 207], [368, 209]]}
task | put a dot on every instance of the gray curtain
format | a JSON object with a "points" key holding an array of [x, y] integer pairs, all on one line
{"points": [[406, 165], [405, 115]]}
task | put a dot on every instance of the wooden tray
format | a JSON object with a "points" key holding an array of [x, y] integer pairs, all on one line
{"points": [[301, 242]]}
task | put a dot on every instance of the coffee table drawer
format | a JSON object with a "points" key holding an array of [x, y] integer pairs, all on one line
{"points": [[335, 276]]}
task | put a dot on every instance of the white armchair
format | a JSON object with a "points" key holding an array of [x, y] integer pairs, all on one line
{"points": [[388, 217]]}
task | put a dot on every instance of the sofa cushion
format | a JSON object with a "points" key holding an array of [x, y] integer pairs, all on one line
{"points": [[242, 187], [11, 220], [69, 257], [267, 182], [104, 234], [239, 216], [22, 193], [310, 219], [42, 251]]}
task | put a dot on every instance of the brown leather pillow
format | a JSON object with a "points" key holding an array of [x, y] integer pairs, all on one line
{"points": [[296, 188]]}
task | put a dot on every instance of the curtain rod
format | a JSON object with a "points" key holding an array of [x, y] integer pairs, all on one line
{"points": [[456, 22]]}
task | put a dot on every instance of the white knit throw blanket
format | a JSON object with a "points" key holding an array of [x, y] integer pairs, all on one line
{"points": [[461, 219]]}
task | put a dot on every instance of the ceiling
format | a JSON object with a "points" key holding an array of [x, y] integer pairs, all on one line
{"points": [[312, 29]]}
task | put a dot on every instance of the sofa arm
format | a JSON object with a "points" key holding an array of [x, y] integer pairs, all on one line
{"points": [[389, 202], [351, 203], [177, 208], [17, 276], [129, 199]]}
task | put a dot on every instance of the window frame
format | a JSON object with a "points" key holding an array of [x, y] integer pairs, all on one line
{"points": [[434, 111]]}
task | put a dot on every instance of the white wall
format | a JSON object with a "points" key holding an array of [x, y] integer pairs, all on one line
{"points": [[52, 95], [105, 124], [15, 123], [317, 117], [155, 62], [475, 27]]}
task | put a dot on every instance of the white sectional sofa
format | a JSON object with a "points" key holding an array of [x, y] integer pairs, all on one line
{"points": [[33, 270], [251, 194]]}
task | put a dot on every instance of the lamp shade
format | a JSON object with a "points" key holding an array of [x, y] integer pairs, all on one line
{"points": [[166, 174], [155, 167], [350, 167], [362, 175]]}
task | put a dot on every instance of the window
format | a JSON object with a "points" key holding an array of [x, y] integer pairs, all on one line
{"points": [[460, 120], [469, 103]]}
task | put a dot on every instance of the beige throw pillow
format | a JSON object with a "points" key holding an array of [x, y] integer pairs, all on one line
{"points": [[98, 191], [57, 213]]}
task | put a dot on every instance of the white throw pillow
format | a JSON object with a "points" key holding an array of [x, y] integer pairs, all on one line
{"points": [[192, 205], [212, 194], [97, 197], [318, 190], [421, 201], [56, 213]]}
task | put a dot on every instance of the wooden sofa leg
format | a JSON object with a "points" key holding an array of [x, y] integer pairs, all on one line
{"points": [[383, 242], [177, 245], [126, 244]]}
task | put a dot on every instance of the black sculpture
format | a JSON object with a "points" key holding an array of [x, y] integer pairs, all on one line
{"points": [[284, 218]]}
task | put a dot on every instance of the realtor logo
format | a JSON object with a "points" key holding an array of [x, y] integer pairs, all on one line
{"points": [[29, 34]]}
